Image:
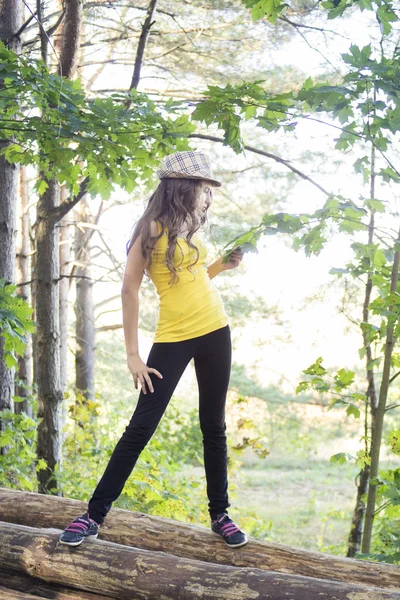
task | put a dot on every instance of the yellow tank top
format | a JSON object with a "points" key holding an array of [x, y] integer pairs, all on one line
{"points": [[192, 306]]}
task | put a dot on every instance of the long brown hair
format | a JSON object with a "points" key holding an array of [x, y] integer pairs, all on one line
{"points": [[172, 203]]}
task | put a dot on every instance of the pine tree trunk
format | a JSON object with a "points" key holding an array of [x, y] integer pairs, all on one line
{"points": [[64, 292], [24, 269], [50, 392], [50, 395], [84, 306], [10, 22]]}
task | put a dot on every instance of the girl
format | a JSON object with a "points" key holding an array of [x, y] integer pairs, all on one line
{"points": [[192, 324]]}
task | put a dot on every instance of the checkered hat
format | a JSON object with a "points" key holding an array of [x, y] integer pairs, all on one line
{"points": [[187, 165]]}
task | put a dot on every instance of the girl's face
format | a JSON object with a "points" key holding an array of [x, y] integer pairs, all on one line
{"points": [[204, 199]]}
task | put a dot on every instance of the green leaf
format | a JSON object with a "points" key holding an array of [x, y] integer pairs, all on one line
{"points": [[375, 205], [352, 409], [316, 368], [344, 378], [341, 458]]}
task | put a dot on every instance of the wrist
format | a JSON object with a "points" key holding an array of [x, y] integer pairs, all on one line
{"points": [[222, 265]]}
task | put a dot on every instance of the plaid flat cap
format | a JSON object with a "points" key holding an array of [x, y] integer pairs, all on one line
{"points": [[187, 165]]}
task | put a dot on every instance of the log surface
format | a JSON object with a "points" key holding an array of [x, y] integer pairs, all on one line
{"points": [[6, 594], [125, 573], [196, 542], [22, 582]]}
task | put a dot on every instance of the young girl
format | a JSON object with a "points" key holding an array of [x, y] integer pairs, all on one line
{"points": [[192, 325]]}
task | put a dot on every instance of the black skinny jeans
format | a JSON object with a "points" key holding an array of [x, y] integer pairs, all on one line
{"points": [[212, 355]]}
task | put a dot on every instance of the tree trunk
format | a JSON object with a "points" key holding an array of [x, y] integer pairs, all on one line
{"points": [[71, 34], [10, 22], [84, 306], [356, 529], [142, 44], [124, 572], [7, 594], [33, 302], [50, 393], [155, 534], [380, 412], [15, 580], [50, 396], [24, 389], [64, 292], [359, 511]]}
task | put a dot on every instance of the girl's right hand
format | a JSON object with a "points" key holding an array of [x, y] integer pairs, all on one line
{"points": [[140, 371]]}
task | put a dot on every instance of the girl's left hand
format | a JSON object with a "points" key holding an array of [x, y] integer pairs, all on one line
{"points": [[234, 258]]}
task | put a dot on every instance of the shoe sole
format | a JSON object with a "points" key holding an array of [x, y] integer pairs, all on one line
{"points": [[230, 545], [88, 537]]}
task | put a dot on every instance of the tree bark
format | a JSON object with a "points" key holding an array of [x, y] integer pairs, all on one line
{"points": [[356, 529], [195, 542], [50, 393], [50, 396], [84, 305], [7, 594], [124, 572], [24, 269], [142, 44], [70, 38], [63, 295], [380, 411], [10, 23], [15, 580]]}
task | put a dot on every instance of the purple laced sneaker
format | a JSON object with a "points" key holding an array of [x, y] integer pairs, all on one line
{"points": [[230, 533], [81, 527]]}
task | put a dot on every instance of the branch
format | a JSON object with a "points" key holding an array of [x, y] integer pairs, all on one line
{"points": [[391, 407], [24, 26], [268, 155], [142, 43], [58, 213], [394, 377], [109, 327], [321, 29], [58, 279]]}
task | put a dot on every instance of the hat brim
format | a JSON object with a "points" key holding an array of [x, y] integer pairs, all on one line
{"points": [[214, 181]]}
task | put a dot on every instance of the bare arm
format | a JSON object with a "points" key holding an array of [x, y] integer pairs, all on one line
{"points": [[218, 266], [133, 277]]}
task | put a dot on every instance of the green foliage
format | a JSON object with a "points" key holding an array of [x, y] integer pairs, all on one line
{"points": [[75, 137], [270, 9], [158, 484], [334, 385], [15, 322], [18, 466], [386, 540]]}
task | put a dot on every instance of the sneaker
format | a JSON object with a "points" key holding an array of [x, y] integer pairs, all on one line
{"points": [[226, 528], [80, 528]]}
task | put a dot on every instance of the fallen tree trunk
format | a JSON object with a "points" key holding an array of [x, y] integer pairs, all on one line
{"points": [[191, 541], [22, 582], [6, 594], [125, 573]]}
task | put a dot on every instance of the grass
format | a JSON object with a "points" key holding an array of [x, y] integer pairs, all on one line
{"points": [[303, 503]]}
